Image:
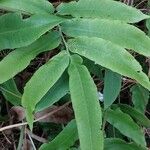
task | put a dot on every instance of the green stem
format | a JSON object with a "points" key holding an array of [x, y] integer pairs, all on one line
{"points": [[104, 120], [64, 41]]}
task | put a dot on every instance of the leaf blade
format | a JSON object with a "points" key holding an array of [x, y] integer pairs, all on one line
{"points": [[64, 140], [138, 116], [140, 97], [86, 107], [20, 58], [113, 10], [27, 6], [60, 89], [10, 92], [118, 144], [112, 87], [119, 33], [16, 34], [120, 60], [126, 125], [43, 83]]}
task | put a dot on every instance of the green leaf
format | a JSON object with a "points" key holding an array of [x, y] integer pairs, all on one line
{"points": [[122, 34], [118, 144], [59, 89], [108, 9], [140, 97], [126, 125], [27, 6], [20, 58], [136, 115], [16, 32], [10, 92], [110, 56], [86, 106], [44, 78], [112, 87], [64, 140]]}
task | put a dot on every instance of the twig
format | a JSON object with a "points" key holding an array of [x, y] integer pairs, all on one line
{"points": [[13, 126], [145, 9], [63, 39], [33, 145], [6, 138], [127, 87], [140, 3], [40, 139], [147, 112], [43, 117], [148, 60]]}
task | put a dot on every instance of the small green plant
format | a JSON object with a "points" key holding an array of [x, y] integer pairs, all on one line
{"points": [[100, 31]]}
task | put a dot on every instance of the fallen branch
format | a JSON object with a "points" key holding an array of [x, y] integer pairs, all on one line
{"points": [[43, 117]]}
